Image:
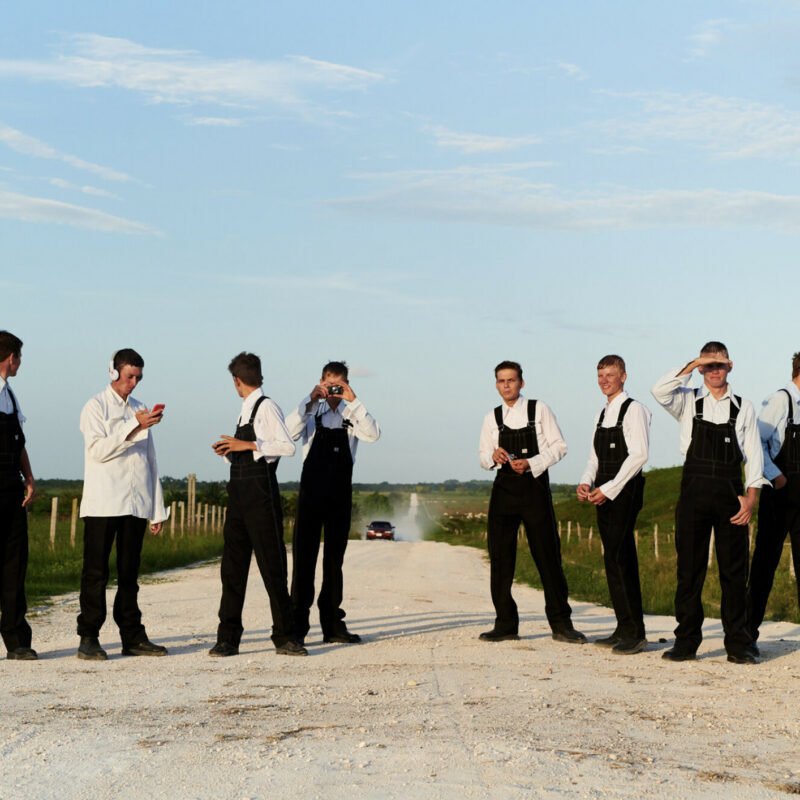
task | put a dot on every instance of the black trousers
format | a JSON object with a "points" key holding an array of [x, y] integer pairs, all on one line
{"points": [[707, 503], [515, 500], [98, 538], [616, 520], [778, 514], [13, 564], [319, 508], [254, 524]]}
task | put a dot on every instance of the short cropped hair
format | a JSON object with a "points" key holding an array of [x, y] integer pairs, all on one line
{"points": [[509, 365], [10, 345], [795, 365], [612, 361], [336, 368], [127, 357], [247, 368], [714, 347]]}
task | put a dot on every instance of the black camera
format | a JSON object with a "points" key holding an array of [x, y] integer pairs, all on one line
{"points": [[335, 390]]}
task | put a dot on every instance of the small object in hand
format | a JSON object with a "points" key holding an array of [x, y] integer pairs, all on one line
{"points": [[158, 408], [511, 456], [335, 390]]}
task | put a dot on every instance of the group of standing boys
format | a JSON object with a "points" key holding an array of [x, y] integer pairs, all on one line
{"points": [[719, 435]]}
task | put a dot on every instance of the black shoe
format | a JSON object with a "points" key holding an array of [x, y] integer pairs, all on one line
{"points": [[754, 649], [495, 636], [742, 657], [222, 649], [628, 647], [22, 654], [677, 654], [608, 641], [143, 648], [569, 635], [90, 650], [291, 648], [342, 638]]}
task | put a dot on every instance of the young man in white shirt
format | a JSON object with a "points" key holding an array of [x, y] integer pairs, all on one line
{"points": [[614, 483], [779, 507], [121, 492], [254, 521], [520, 439], [718, 433], [330, 422], [16, 493]]}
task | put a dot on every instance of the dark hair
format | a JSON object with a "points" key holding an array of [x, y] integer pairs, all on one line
{"points": [[714, 347], [247, 368], [9, 345], [336, 368], [127, 357], [795, 365], [509, 365], [612, 361]]}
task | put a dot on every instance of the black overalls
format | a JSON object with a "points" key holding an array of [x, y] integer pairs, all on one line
{"points": [[524, 499], [616, 520], [325, 501], [710, 488], [254, 524], [13, 533], [778, 513]]}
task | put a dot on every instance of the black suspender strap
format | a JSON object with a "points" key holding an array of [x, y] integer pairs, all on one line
{"points": [[255, 408], [791, 404], [623, 410], [498, 415], [734, 408]]}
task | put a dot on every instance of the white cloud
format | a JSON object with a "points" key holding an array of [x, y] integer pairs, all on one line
{"points": [[572, 70], [470, 143], [29, 146], [708, 35], [39, 209], [220, 122], [92, 190]]}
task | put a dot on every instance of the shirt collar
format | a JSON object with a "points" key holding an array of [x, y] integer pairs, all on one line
{"points": [[115, 398], [250, 401], [520, 402], [618, 400], [3, 383], [706, 392], [790, 387]]}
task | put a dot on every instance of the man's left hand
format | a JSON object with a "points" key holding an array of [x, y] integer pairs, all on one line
{"points": [[155, 528], [520, 465], [30, 493], [597, 497], [746, 504], [230, 444], [348, 395]]}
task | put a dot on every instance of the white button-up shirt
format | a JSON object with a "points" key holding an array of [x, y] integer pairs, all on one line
{"points": [[674, 393], [272, 437], [6, 404], [120, 475], [302, 424], [552, 447], [636, 430], [772, 425]]}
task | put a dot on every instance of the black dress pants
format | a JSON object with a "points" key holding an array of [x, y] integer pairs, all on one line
{"points": [[707, 503], [616, 520], [778, 514], [317, 508], [98, 538], [523, 499], [13, 564], [254, 524]]}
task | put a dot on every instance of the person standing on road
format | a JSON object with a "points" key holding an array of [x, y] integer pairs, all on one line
{"points": [[718, 432], [614, 483], [254, 521], [520, 439], [16, 493], [121, 492], [330, 422], [779, 507]]}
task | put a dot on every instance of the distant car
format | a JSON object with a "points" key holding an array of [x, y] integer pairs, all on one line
{"points": [[380, 530]]}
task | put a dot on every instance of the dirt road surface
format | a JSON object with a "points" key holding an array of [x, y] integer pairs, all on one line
{"points": [[421, 709]]}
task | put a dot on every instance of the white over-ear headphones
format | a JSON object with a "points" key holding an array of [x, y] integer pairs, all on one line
{"points": [[112, 370]]}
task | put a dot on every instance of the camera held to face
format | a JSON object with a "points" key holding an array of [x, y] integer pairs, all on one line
{"points": [[334, 391]]}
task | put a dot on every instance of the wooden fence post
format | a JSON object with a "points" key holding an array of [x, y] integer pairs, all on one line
{"points": [[172, 520], [591, 530], [655, 540], [559, 529], [711, 547], [569, 530], [73, 522], [578, 525], [205, 517], [53, 520], [213, 518]]}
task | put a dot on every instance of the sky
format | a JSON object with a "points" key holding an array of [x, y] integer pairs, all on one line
{"points": [[421, 189]]}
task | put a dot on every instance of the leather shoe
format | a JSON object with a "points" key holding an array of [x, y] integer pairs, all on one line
{"points": [[143, 648], [754, 649], [291, 648], [569, 635], [342, 638], [90, 650], [22, 654], [742, 657], [495, 636], [628, 647], [608, 641], [676, 654], [223, 649]]}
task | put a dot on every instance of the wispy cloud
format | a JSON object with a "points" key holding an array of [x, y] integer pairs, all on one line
{"points": [[572, 70], [29, 146], [708, 35], [39, 209], [219, 122], [91, 190], [188, 77], [470, 143]]}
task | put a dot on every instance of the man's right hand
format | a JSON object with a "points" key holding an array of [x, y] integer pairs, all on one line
{"points": [[780, 481], [500, 456], [583, 491], [148, 418]]}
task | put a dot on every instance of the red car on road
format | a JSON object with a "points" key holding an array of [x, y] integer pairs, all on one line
{"points": [[380, 530]]}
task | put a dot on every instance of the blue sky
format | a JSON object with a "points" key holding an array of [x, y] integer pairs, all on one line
{"points": [[422, 189]]}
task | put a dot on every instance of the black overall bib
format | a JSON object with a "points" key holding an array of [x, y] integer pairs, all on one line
{"points": [[325, 501], [778, 514], [616, 520], [13, 533], [524, 499], [710, 488], [254, 524]]}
